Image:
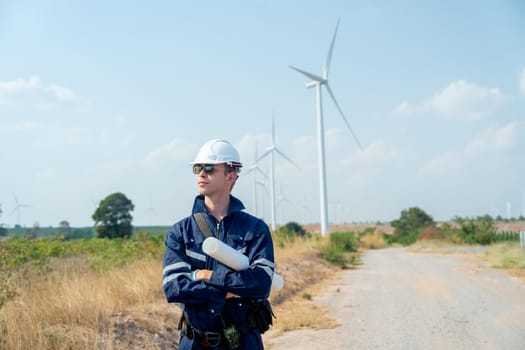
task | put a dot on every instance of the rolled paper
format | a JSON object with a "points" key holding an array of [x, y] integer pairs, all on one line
{"points": [[277, 282], [225, 254], [234, 259]]}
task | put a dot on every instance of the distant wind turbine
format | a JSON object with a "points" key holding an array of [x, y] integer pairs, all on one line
{"points": [[17, 208], [317, 82], [281, 199], [305, 210], [270, 151], [256, 168], [264, 191]]}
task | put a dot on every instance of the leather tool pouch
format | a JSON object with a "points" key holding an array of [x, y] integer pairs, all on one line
{"points": [[261, 315]]}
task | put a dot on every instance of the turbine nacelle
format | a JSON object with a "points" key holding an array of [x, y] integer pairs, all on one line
{"points": [[316, 80], [314, 83]]}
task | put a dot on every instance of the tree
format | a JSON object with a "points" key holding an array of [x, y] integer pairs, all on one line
{"points": [[293, 227], [412, 220], [64, 228], [113, 216], [34, 231]]}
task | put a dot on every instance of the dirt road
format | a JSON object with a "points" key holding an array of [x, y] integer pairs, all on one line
{"points": [[403, 300]]}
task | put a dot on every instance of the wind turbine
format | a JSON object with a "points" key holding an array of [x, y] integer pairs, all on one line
{"points": [[317, 82], [17, 209], [281, 199], [270, 151], [305, 210], [256, 168]]}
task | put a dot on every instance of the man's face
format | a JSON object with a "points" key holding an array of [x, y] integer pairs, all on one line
{"points": [[213, 178]]}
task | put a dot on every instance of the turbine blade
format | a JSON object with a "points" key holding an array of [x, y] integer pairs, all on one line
{"points": [[264, 154], [261, 172], [342, 115], [309, 75], [288, 159], [330, 51], [249, 170]]}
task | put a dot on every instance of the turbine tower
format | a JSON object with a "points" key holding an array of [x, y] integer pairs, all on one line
{"points": [[281, 199], [17, 209], [256, 168], [270, 151], [317, 82]]}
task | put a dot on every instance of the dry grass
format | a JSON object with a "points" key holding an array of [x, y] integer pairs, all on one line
{"points": [[73, 307], [303, 271], [300, 312], [374, 240], [507, 255]]}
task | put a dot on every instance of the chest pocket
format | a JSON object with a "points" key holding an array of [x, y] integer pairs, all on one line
{"points": [[240, 242], [194, 250]]}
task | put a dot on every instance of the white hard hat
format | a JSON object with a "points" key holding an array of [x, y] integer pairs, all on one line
{"points": [[216, 152]]}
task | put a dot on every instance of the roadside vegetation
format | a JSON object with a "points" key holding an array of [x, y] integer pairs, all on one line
{"points": [[502, 248], [58, 293], [103, 290]]}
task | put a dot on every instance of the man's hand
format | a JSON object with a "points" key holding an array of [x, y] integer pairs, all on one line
{"points": [[231, 295], [204, 275]]}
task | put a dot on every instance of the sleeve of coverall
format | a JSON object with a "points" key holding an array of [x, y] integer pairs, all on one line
{"points": [[177, 283], [255, 281]]}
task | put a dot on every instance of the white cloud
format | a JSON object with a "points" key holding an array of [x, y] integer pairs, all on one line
{"points": [[495, 139], [522, 82], [404, 109], [374, 154], [62, 93], [176, 149], [22, 126], [33, 92], [459, 99], [445, 164], [464, 160]]}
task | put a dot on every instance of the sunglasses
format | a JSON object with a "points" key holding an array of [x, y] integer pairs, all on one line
{"points": [[208, 168]]}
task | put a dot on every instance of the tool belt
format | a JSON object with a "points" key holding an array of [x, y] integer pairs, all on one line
{"points": [[227, 339], [204, 338]]}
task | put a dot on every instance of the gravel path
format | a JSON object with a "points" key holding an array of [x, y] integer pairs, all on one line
{"points": [[403, 300]]}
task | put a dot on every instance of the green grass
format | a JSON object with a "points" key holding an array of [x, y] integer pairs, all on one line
{"points": [[507, 255], [102, 253]]}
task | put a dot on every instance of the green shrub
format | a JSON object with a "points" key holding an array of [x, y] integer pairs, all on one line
{"points": [[407, 239], [409, 225], [347, 241], [341, 249], [102, 253], [475, 231], [293, 227], [334, 255]]}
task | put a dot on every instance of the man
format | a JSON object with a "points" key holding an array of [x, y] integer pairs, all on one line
{"points": [[216, 300]]}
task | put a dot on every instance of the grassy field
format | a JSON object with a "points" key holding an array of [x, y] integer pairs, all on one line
{"points": [[99, 293], [106, 294]]}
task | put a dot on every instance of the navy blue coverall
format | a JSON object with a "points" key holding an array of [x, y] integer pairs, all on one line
{"points": [[205, 303]]}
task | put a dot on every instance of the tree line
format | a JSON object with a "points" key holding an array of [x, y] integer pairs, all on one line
{"points": [[112, 219]]}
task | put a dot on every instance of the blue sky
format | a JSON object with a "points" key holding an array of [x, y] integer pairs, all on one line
{"points": [[100, 97]]}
